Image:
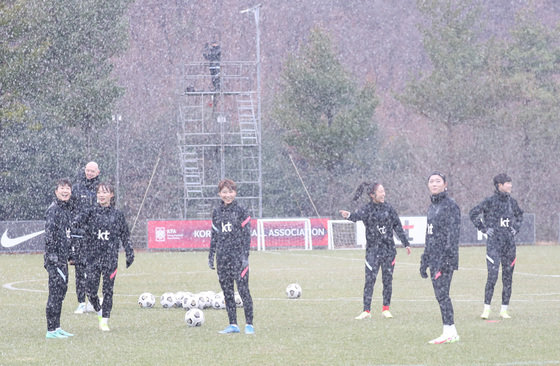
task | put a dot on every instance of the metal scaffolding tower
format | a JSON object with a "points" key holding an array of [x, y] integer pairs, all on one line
{"points": [[220, 136]]}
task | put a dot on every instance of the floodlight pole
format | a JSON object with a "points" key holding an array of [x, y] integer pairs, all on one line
{"points": [[117, 118], [256, 11]]}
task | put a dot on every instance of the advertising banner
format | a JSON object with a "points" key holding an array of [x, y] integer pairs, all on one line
{"points": [[196, 234], [22, 236], [185, 234]]}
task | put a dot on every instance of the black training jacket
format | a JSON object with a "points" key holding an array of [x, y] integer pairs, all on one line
{"points": [[58, 220], [231, 232], [442, 234], [107, 230], [499, 212], [84, 194], [380, 220]]}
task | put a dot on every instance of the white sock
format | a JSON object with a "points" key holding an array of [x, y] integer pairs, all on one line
{"points": [[452, 330], [449, 330], [504, 308], [486, 307]]}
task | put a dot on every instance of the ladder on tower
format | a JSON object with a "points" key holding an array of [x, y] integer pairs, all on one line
{"points": [[192, 175], [247, 119]]}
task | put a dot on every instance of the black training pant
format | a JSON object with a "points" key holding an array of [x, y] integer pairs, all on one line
{"points": [[58, 285], [94, 273], [442, 285], [505, 253], [229, 274], [372, 264], [80, 268]]}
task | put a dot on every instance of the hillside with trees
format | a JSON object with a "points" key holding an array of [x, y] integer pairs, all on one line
{"points": [[470, 88]]}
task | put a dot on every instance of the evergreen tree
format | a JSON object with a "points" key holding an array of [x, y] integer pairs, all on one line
{"points": [[325, 117], [56, 88]]}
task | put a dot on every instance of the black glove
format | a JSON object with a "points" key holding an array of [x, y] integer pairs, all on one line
{"points": [[489, 232], [513, 231], [211, 262], [72, 256], [129, 258], [423, 267]]}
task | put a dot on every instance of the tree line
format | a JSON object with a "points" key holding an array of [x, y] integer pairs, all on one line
{"points": [[487, 105]]}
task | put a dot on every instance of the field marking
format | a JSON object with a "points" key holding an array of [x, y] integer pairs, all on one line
{"points": [[417, 264], [12, 286]]}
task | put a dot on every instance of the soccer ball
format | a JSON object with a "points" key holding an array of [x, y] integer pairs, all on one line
{"points": [[293, 291], [179, 296], [219, 302], [194, 317], [190, 302], [146, 300], [167, 300], [204, 300], [238, 300]]}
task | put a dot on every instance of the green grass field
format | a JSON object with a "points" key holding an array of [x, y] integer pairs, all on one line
{"points": [[317, 329]]}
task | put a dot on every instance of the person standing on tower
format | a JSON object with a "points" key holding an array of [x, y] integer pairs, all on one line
{"points": [[213, 53]]}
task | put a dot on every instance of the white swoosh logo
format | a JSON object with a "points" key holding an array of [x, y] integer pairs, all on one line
{"points": [[12, 242]]}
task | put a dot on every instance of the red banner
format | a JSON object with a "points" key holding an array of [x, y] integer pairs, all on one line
{"points": [[196, 234], [185, 234]]}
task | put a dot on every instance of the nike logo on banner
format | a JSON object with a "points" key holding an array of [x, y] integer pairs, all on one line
{"points": [[12, 242]]}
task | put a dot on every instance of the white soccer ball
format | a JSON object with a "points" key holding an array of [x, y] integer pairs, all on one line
{"points": [[238, 300], [167, 300], [190, 302], [194, 317], [146, 300], [204, 300], [179, 296], [293, 291], [219, 302]]}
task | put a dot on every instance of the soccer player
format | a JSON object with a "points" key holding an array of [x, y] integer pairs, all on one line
{"points": [[380, 220], [441, 253], [230, 244], [500, 218], [58, 220], [84, 193], [107, 231]]}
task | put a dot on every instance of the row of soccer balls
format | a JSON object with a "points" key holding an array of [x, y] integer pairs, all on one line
{"points": [[202, 300]]}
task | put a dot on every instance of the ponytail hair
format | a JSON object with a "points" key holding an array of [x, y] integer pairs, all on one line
{"points": [[369, 188]]}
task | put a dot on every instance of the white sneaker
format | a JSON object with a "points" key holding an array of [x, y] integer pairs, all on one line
{"points": [[363, 315], [445, 338], [89, 308], [504, 314], [485, 314], [103, 324], [81, 308], [387, 314]]}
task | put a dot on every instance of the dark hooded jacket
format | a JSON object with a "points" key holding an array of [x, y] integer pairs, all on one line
{"points": [[442, 234], [231, 234], [58, 220], [84, 194], [499, 212], [380, 220], [107, 230]]}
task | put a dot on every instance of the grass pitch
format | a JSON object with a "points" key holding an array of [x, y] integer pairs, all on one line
{"points": [[317, 329]]}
